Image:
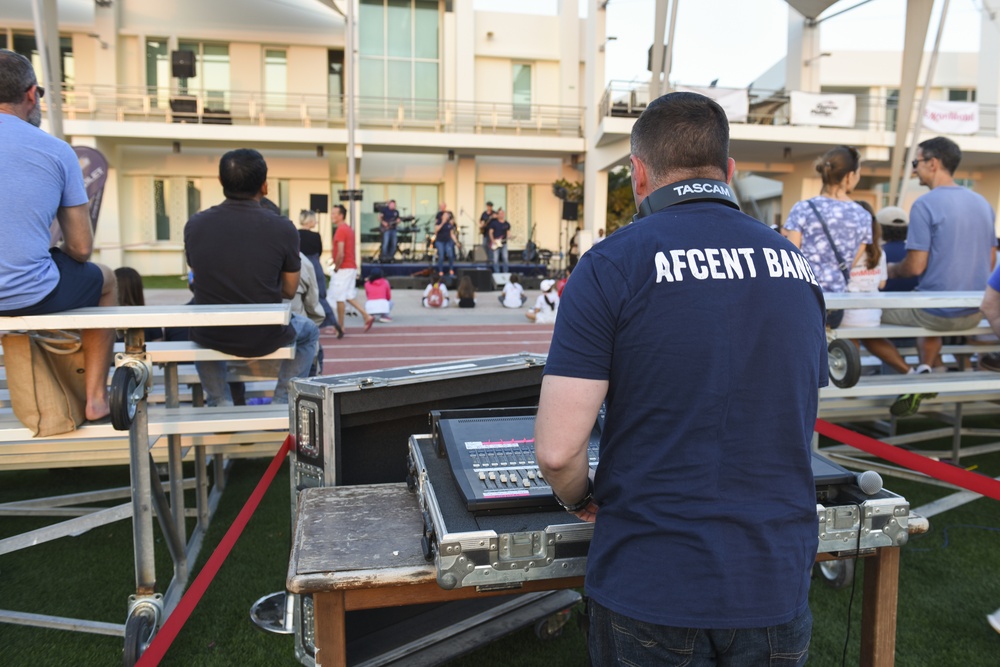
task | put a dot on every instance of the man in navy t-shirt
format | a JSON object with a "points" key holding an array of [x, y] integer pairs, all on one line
{"points": [[388, 222], [702, 330]]}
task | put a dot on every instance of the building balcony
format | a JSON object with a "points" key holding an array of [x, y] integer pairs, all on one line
{"points": [[773, 107], [306, 111]]}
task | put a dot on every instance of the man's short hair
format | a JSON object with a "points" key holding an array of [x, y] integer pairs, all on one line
{"points": [[682, 132], [342, 209], [16, 77], [945, 150], [242, 173]]}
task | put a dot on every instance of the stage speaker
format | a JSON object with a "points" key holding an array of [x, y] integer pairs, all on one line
{"points": [[182, 64], [318, 203], [571, 210], [482, 279]]}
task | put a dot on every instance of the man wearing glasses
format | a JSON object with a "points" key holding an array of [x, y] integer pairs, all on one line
{"points": [[951, 245], [42, 182]]}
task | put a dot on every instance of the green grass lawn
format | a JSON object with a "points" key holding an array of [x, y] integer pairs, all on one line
{"points": [[164, 282], [948, 583]]}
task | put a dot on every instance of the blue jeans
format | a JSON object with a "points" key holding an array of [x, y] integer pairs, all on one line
{"points": [[445, 249], [388, 244], [213, 373], [619, 640], [489, 251], [501, 258]]}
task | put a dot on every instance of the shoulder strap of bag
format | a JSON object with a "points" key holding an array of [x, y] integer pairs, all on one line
{"points": [[841, 264]]}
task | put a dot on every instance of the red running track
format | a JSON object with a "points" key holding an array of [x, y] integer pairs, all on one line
{"points": [[392, 345]]}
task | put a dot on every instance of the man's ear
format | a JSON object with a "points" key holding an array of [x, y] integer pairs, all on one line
{"points": [[730, 170], [640, 179], [263, 189]]}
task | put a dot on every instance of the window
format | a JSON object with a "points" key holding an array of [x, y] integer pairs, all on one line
{"points": [[193, 197], [26, 45], [961, 95], [335, 83], [284, 197], [521, 93], [161, 202], [211, 80], [400, 54], [891, 109], [157, 71], [275, 78]]}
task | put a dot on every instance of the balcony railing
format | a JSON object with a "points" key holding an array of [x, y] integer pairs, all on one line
{"points": [[769, 107], [121, 104]]}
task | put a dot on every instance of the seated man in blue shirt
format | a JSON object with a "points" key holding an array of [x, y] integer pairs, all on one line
{"points": [[40, 180]]}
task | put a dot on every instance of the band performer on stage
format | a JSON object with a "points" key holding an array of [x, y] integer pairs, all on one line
{"points": [[445, 240], [705, 463], [388, 221], [484, 224], [499, 230]]}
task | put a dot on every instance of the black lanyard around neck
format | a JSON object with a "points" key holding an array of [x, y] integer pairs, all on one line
{"points": [[682, 192]]}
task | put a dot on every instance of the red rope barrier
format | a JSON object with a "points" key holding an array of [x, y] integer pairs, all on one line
{"points": [[165, 637], [966, 479]]}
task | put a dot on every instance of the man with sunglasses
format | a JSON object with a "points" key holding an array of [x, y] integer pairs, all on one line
{"points": [[42, 182], [950, 245]]}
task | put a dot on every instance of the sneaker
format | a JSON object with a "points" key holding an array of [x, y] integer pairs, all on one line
{"points": [[369, 323], [994, 620], [990, 361], [385, 318], [909, 404]]}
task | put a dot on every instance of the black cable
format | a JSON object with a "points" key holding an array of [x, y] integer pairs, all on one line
{"points": [[854, 582]]}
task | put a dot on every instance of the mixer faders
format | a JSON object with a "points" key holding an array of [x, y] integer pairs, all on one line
{"points": [[493, 461]]}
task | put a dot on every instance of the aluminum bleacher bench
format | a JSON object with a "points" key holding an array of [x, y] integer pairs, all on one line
{"points": [[198, 428]]}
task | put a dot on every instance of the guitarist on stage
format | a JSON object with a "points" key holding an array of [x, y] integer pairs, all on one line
{"points": [[484, 223], [498, 229], [388, 220]]}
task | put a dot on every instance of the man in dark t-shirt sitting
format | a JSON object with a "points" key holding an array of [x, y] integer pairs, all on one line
{"points": [[241, 252]]}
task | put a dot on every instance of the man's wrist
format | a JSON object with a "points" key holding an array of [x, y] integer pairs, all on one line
{"points": [[573, 508]]}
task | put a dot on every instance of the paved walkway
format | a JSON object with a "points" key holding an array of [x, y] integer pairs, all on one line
{"points": [[420, 335]]}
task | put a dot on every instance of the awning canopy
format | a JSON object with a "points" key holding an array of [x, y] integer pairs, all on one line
{"points": [[811, 9]]}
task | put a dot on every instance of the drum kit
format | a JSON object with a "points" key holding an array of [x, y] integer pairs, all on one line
{"points": [[409, 231]]}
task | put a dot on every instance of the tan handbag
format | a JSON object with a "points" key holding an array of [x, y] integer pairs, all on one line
{"points": [[45, 377]]}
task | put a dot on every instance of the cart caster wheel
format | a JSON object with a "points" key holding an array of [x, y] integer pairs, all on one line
{"points": [[836, 573], [139, 631], [845, 363], [551, 627], [123, 385]]}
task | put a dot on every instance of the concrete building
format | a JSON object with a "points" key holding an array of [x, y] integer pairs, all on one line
{"points": [[452, 105]]}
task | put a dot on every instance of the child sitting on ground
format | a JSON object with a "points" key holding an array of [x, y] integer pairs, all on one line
{"points": [[513, 293], [466, 293], [379, 296], [436, 293], [546, 305]]}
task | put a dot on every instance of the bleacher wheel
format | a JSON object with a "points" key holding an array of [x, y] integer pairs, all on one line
{"points": [[836, 573], [140, 627], [845, 363], [121, 400]]}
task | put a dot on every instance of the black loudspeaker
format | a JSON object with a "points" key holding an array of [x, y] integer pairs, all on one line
{"points": [[182, 64], [318, 203], [571, 210], [482, 279]]}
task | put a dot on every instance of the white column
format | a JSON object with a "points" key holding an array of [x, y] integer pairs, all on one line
{"points": [[569, 53], [988, 82], [465, 51], [803, 61], [595, 180]]}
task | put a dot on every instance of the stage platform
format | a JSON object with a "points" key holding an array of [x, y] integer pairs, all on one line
{"points": [[414, 275]]}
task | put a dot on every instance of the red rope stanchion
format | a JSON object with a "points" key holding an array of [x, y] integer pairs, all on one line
{"points": [[165, 637], [965, 479]]}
